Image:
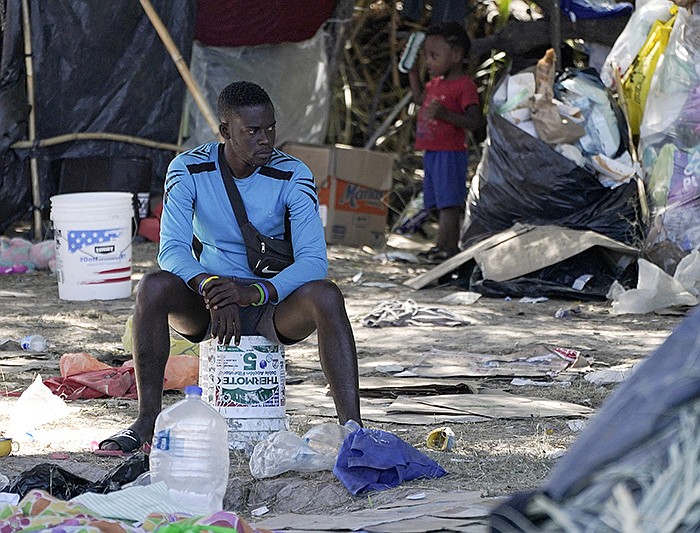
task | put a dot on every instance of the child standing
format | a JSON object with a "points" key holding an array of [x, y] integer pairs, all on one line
{"points": [[449, 107]]}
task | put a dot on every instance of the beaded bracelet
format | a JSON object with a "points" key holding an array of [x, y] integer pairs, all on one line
{"points": [[202, 283], [264, 294]]}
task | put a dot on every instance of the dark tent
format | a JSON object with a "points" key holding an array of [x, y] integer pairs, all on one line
{"points": [[98, 67]]}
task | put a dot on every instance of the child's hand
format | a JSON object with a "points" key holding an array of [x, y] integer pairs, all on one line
{"points": [[432, 110]]}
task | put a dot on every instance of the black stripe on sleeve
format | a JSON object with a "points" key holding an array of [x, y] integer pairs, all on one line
{"points": [[196, 168], [276, 173], [308, 186], [313, 198]]}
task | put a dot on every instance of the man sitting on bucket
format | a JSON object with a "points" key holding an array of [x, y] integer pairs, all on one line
{"points": [[218, 295]]}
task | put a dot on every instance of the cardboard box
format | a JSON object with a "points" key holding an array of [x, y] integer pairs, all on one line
{"points": [[352, 185]]}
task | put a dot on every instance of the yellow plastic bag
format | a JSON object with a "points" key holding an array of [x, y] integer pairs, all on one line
{"points": [[637, 79]]}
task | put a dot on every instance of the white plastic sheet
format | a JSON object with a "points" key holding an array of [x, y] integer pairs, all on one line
{"points": [[295, 75]]}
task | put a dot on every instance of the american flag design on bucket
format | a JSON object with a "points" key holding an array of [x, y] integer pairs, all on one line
{"points": [[100, 239]]}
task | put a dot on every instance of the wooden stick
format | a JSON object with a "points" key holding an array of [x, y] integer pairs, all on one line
{"points": [[389, 119], [181, 66], [95, 136], [33, 166]]}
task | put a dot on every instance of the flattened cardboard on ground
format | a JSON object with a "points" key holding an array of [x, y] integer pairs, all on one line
{"points": [[313, 400], [520, 250], [391, 386], [538, 361], [497, 406], [454, 509]]}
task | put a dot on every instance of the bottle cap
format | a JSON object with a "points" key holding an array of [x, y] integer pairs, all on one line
{"points": [[193, 389]]}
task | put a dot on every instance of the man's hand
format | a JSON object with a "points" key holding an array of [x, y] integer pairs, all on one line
{"points": [[223, 297], [226, 324]]}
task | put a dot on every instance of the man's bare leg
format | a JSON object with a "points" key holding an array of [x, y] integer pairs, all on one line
{"points": [[160, 295], [319, 305]]}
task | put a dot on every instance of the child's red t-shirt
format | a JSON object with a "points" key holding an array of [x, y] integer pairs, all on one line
{"points": [[455, 95]]}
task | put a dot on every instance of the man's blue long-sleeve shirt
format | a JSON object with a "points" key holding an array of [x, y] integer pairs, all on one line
{"points": [[195, 202]]}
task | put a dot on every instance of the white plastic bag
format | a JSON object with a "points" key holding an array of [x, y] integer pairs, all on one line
{"points": [[655, 290], [630, 41], [37, 405], [688, 273]]}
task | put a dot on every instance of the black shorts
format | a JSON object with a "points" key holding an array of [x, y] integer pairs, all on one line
{"points": [[256, 320]]}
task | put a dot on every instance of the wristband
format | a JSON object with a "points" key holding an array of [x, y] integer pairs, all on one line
{"points": [[267, 293], [264, 294], [202, 283]]}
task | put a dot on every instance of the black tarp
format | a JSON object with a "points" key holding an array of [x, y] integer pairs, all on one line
{"points": [[98, 67]]}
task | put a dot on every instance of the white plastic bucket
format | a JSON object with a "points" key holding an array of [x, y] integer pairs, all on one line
{"points": [[246, 384], [92, 231]]}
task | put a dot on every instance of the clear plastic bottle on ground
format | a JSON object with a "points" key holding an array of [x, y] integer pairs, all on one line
{"points": [[34, 343], [190, 453]]}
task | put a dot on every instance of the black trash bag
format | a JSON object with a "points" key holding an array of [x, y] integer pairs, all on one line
{"points": [[557, 281], [51, 478], [121, 474], [524, 180], [65, 485], [643, 407]]}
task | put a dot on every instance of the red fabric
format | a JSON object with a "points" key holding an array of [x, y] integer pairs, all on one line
{"points": [[455, 95], [149, 228], [245, 23], [111, 382]]}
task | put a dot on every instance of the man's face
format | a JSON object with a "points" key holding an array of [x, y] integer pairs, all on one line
{"points": [[250, 134]]}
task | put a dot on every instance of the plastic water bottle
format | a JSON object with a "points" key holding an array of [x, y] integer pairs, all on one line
{"points": [[410, 53], [34, 343], [190, 453]]}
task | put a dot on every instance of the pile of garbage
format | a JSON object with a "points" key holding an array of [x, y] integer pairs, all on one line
{"points": [[575, 115], [615, 152]]}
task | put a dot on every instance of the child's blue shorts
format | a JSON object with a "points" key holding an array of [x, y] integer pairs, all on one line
{"points": [[445, 182]]}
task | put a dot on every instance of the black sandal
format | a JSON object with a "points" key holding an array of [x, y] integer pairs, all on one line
{"points": [[127, 440]]}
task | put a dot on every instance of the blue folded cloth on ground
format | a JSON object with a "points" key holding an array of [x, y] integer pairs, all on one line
{"points": [[372, 459]]}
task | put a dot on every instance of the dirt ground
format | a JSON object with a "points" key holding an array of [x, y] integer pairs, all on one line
{"points": [[495, 457]]}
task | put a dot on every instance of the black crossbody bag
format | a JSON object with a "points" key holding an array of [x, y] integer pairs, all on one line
{"points": [[267, 256]]}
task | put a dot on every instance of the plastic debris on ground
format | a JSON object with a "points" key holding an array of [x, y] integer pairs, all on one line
{"points": [[657, 290], [409, 313], [441, 439], [36, 406], [461, 298], [609, 375], [65, 485], [18, 255], [285, 451]]}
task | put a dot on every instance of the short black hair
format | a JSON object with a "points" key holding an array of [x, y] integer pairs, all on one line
{"points": [[240, 94], [454, 33]]}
